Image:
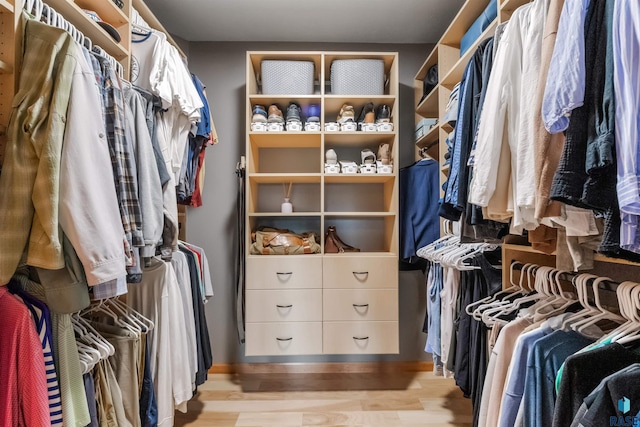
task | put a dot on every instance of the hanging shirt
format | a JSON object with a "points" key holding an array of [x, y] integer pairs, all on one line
{"points": [[565, 88], [626, 51], [23, 396]]}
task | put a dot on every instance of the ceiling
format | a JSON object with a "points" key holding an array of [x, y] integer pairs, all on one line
{"points": [[342, 21]]}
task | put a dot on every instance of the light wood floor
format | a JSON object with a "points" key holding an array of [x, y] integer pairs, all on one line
{"points": [[337, 399]]}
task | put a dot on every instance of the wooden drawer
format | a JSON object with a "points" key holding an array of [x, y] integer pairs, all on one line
{"points": [[291, 305], [360, 338], [284, 272], [360, 272], [275, 339], [360, 304]]}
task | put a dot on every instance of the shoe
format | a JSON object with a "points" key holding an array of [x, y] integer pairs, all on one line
{"points": [[367, 156], [333, 244], [313, 113], [367, 115], [384, 154], [346, 114], [259, 114], [331, 158], [293, 113], [275, 115], [383, 114]]}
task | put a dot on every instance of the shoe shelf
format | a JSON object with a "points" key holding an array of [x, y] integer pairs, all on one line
{"points": [[285, 139], [273, 178], [357, 138], [358, 178], [369, 233], [333, 103]]}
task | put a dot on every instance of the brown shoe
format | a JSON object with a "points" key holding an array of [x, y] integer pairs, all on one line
{"points": [[384, 154], [275, 115]]}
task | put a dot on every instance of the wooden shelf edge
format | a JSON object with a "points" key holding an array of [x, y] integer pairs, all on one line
{"points": [[511, 5], [597, 257], [429, 138], [425, 108], [431, 60], [280, 214], [455, 73], [5, 6]]}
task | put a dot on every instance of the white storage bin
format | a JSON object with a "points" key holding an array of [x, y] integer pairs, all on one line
{"points": [[357, 77], [287, 77]]}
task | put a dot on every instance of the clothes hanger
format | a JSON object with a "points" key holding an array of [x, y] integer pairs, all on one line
{"points": [[475, 309], [92, 336], [604, 314], [126, 317], [632, 302], [580, 282]]}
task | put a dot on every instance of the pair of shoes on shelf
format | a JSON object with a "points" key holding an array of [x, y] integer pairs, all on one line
{"points": [[346, 114], [274, 115]]}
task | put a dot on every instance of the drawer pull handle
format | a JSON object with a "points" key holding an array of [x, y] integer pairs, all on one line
{"points": [[357, 273], [288, 273], [284, 339], [284, 306], [360, 305], [360, 338]]}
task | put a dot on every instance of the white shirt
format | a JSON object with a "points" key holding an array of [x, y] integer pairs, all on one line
{"points": [[88, 206]]}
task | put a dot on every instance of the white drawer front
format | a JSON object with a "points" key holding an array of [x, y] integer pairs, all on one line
{"points": [[360, 338], [284, 272], [360, 272], [360, 304], [291, 305], [274, 339]]}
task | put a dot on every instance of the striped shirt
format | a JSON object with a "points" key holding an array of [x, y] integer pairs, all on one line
{"points": [[565, 88], [41, 316], [626, 56]]}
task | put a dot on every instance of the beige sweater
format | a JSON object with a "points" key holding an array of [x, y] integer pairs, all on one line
{"points": [[547, 148]]}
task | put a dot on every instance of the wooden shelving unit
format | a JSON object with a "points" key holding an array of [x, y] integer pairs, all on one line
{"points": [[363, 207]]}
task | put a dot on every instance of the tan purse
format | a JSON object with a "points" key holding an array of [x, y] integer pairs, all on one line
{"points": [[333, 244], [272, 241]]}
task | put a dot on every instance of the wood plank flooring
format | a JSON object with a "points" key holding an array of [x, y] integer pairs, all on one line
{"points": [[383, 399]]}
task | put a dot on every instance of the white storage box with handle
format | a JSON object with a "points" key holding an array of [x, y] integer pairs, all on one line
{"points": [[357, 77], [287, 77]]}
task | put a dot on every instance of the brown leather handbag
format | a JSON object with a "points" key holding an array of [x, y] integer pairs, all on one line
{"points": [[333, 244], [272, 241]]}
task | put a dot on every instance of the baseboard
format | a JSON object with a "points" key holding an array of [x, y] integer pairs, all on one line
{"points": [[320, 368]]}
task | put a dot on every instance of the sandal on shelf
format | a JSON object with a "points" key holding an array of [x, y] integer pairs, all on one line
{"points": [[384, 154], [333, 244], [331, 158], [367, 156]]}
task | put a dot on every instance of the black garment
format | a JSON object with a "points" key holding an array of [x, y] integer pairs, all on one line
{"points": [[581, 375], [240, 251], [471, 353], [205, 358], [605, 405]]}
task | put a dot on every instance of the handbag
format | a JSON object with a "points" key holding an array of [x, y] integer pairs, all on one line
{"points": [[273, 241], [333, 244]]}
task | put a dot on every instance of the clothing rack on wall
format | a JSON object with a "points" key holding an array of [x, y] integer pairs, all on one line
{"points": [[41, 11]]}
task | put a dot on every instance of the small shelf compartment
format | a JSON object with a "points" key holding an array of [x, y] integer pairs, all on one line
{"points": [[369, 233]]}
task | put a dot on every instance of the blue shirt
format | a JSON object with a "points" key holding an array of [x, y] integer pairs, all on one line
{"points": [[514, 387], [565, 85]]}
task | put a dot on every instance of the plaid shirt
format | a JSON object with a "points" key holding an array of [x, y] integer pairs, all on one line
{"points": [[122, 159]]}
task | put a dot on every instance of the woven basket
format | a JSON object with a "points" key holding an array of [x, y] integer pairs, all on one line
{"points": [[287, 77], [357, 77]]}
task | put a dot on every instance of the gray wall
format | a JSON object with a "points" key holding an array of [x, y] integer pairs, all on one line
{"points": [[221, 67]]}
